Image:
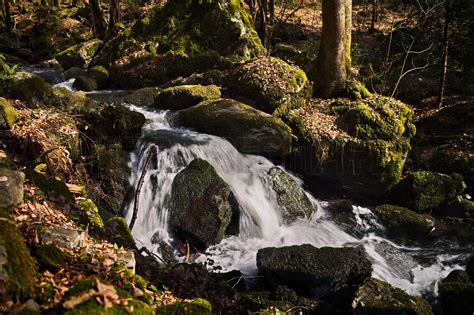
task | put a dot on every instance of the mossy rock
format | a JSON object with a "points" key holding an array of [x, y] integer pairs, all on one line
{"points": [[90, 213], [79, 55], [312, 271], [73, 102], [202, 205], [179, 39], [18, 270], [194, 307], [8, 114], [402, 223], [85, 83], [11, 188], [74, 72], [378, 297], [142, 97], [99, 74], [92, 307], [249, 130], [118, 231], [51, 257], [459, 207], [275, 86], [456, 295], [424, 191], [184, 96], [49, 184], [357, 90], [359, 144], [292, 199], [30, 88]]}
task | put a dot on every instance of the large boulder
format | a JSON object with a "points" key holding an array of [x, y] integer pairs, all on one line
{"points": [[11, 188], [179, 39], [456, 293], [8, 114], [79, 55], [402, 223], [275, 86], [202, 205], [142, 97], [423, 191], [292, 199], [30, 88], [378, 297], [184, 96], [313, 271], [249, 130], [361, 145]]}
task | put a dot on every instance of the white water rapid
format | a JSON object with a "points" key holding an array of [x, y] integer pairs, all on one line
{"points": [[260, 223]]}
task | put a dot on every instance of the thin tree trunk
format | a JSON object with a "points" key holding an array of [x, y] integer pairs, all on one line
{"points": [[442, 83], [114, 15], [271, 10], [7, 15], [97, 19], [374, 15], [331, 68], [348, 36]]}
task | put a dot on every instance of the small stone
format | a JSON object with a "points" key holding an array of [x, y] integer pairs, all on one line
{"points": [[67, 238], [11, 188], [127, 257]]}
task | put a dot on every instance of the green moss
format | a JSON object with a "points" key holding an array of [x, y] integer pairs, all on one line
{"points": [[184, 96], [30, 88], [20, 266], [90, 213], [98, 73], [424, 191], [195, 307], [143, 97], [49, 184], [357, 90], [119, 232], [50, 257], [378, 297], [85, 83], [8, 114], [74, 102]]}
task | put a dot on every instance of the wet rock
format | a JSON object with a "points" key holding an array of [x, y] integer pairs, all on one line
{"points": [[423, 191], [61, 237], [470, 268], [292, 199], [74, 72], [11, 188], [143, 97], [184, 96], [85, 83], [18, 271], [99, 74], [378, 297], [313, 271], [402, 223], [177, 35], [460, 207], [202, 205], [360, 145], [275, 86], [249, 130], [8, 114], [79, 55], [456, 293]]}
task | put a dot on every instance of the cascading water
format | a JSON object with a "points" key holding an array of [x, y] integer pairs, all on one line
{"points": [[260, 223]]}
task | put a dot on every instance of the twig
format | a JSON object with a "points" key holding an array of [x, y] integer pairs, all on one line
{"points": [[151, 154]]}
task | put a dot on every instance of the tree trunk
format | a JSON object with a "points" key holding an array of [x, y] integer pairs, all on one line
{"points": [[7, 15], [442, 83], [114, 15], [333, 62], [374, 15], [97, 19]]}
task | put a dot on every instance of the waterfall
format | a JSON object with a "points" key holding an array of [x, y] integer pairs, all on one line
{"points": [[260, 221]]}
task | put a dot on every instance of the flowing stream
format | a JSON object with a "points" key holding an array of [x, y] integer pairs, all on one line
{"points": [[416, 270], [260, 223]]}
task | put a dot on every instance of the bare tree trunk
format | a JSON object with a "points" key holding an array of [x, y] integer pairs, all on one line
{"points": [[7, 15], [333, 59], [374, 15], [442, 83], [97, 19], [348, 36], [114, 15]]}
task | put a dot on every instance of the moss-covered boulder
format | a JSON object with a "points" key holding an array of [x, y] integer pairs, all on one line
{"points": [[460, 207], [402, 223], [30, 88], [8, 114], [378, 297], [202, 205], [51, 257], [292, 199], [79, 55], [89, 214], [118, 231], [73, 102], [456, 293], [275, 86], [11, 188], [84, 296], [18, 270], [142, 97], [249, 130], [194, 307], [360, 144], [184, 96], [313, 271], [179, 39], [100, 74], [85, 83], [423, 191]]}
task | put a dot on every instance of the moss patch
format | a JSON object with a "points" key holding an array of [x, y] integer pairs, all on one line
{"points": [[119, 233], [195, 307], [50, 257], [184, 96], [8, 114]]}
